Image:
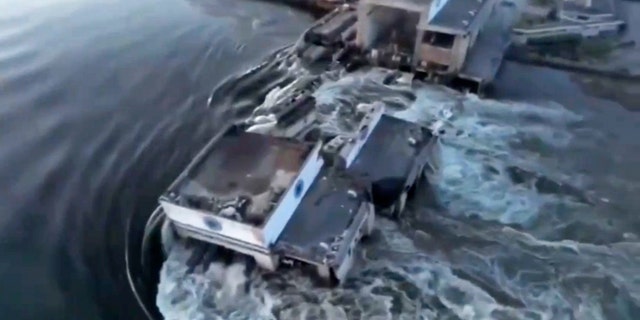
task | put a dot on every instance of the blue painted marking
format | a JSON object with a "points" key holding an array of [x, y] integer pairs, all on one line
{"points": [[297, 192], [212, 224]]}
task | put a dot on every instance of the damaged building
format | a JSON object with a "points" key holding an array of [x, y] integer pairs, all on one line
{"points": [[432, 37]]}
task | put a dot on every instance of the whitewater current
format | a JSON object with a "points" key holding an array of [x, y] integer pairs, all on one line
{"points": [[493, 237]]}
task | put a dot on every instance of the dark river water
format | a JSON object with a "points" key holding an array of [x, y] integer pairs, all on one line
{"points": [[102, 104]]}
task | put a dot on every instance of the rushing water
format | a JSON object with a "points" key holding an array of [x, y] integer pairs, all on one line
{"points": [[102, 103], [527, 223]]}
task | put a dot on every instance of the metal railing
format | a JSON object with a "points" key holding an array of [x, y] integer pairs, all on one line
{"points": [[563, 28]]}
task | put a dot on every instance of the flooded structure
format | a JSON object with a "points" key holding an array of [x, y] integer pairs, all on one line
{"points": [[278, 194], [445, 41], [437, 38]]}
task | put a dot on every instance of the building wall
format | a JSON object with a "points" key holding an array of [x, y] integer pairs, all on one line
{"points": [[417, 53], [202, 221], [439, 55], [454, 57], [362, 25], [373, 17], [460, 49]]}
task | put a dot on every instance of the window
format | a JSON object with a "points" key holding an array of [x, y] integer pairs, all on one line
{"points": [[439, 39]]}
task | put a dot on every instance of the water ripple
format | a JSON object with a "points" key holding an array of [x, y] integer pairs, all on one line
{"points": [[486, 250], [101, 104]]}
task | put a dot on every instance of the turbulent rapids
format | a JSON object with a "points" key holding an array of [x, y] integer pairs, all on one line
{"points": [[531, 212], [479, 244]]}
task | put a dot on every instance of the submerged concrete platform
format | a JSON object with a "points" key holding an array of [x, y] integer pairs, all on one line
{"points": [[441, 40]]}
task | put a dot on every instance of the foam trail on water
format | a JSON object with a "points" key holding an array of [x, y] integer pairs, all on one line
{"points": [[480, 139], [497, 167]]}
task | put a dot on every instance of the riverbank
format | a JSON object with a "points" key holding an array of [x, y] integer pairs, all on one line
{"points": [[624, 90], [571, 65], [607, 66], [600, 80]]}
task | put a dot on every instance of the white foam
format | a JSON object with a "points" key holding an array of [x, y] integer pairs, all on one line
{"points": [[393, 279], [477, 134]]}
